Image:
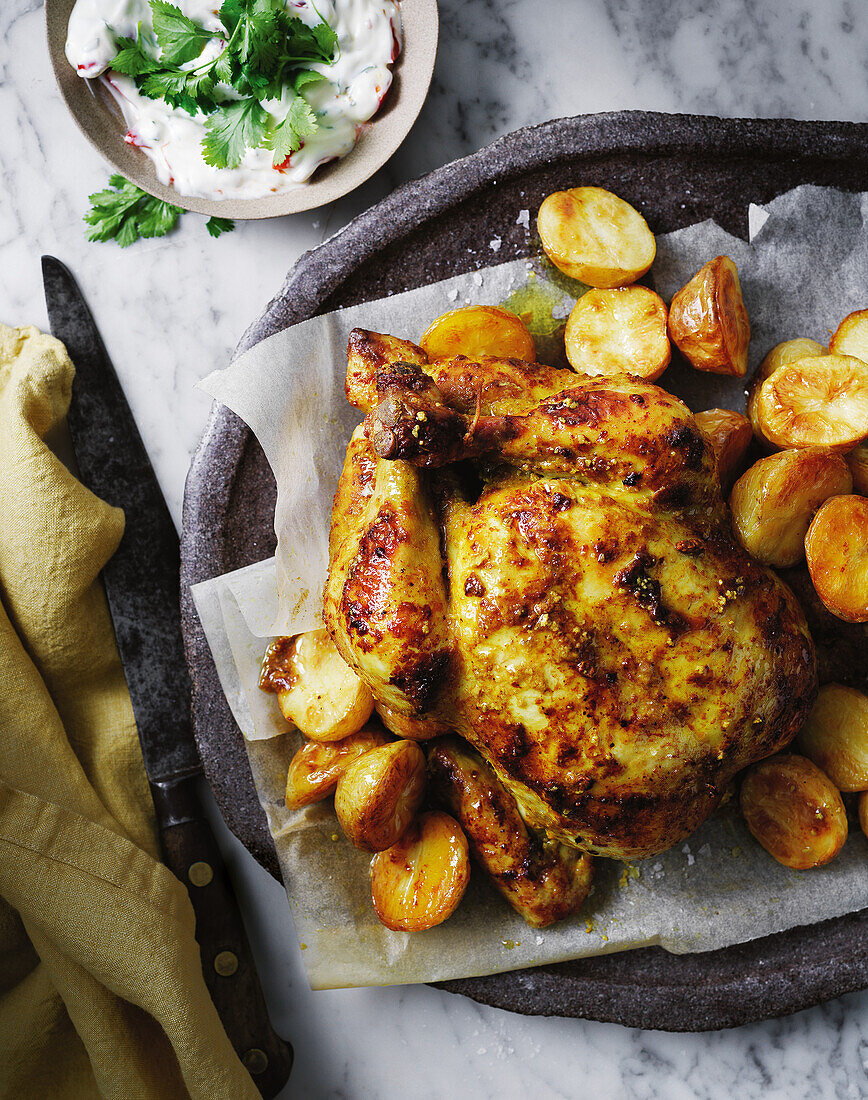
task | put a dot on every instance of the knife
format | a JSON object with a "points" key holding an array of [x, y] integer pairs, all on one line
{"points": [[142, 585]]}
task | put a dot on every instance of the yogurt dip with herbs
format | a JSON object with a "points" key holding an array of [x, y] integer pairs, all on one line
{"points": [[240, 101]]}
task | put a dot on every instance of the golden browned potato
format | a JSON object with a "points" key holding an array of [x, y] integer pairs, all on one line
{"points": [[708, 322], [478, 330], [418, 882], [323, 697], [774, 502], [863, 811], [620, 331], [592, 235], [857, 460], [851, 336], [404, 725], [836, 547], [780, 355], [317, 766], [378, 795], [728, 434], [835, 736], [820, 401], [794, 811]]}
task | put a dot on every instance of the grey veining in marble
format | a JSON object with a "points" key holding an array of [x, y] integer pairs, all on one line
{"points": [[170, 311]]}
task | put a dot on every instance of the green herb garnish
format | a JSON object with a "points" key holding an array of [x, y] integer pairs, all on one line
{"points": [[125, 213], [264, 52]]}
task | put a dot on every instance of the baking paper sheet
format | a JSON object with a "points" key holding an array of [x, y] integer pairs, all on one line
{"points": [[805, 268]]}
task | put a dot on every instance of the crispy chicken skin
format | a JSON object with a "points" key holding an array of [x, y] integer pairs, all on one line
{"points": [[544, 880], [543, 562]]}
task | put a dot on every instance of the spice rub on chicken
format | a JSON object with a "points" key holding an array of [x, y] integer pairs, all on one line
{"points": [[542, 562]]}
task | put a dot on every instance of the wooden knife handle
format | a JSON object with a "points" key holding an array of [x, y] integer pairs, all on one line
{"points": [[191, 854]]}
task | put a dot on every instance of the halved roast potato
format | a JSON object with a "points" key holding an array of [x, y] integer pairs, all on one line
{"points": [[596, 237], [819, 401], [478, 330], [794, 810], [728, 434], [708, 321], [836, 547], [620, 331], [418, 882], [780, 355], [851, 336], [774, 502]]}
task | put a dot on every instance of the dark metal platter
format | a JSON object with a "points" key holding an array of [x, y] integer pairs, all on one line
{"points": [[677, 169]]}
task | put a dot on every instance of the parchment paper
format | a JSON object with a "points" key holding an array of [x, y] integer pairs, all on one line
{"points": [[805, 268]]}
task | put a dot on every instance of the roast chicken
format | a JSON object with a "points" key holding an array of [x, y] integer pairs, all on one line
{"points": [[542, 562]]}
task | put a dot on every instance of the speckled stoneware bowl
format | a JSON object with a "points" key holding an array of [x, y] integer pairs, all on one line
{"points": [[678, 170], [101, 122]]}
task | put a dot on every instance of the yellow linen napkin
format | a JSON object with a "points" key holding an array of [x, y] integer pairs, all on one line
{"points": [[101, 987]]}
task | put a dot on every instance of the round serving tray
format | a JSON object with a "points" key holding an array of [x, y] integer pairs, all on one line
{"points": [[677, 169]]}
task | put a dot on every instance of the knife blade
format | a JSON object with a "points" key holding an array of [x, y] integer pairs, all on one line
{"points": [[142, 585]]}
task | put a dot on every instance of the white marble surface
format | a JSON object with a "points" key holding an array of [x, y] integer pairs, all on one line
{"points": [[172, 310]]}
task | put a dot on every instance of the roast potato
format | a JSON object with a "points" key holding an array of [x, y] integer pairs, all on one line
{"points": [[836, 547], [794, 811], [404, 725], [774, 502], [323, 697], [819, 401], [851, 336], [863, 811], [418, 882], [835, 736], [621, 331], [728, 434], [478, 330], [780, 355], [708, 321], [378, 795], [592, 235], [317, 766], [857, 460]]}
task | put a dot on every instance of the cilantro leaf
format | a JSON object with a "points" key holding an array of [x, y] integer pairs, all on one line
{"points": [[124, 213], [217, 226], [326, 39], [179, 37], [266, 50], [231, 130], [131, 59], [300, 122], [305, 77]]}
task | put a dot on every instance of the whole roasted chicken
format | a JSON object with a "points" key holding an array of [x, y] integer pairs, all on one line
{"points": [[542, 562]]}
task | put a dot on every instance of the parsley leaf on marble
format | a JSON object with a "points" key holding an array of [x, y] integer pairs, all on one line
{"points": [[124, 213], [218, 226]]}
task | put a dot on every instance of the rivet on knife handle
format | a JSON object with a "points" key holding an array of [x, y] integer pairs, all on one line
{"points": [[191, 853]]}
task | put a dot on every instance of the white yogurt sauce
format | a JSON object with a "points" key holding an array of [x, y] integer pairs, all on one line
{"points": [[369, 35]]}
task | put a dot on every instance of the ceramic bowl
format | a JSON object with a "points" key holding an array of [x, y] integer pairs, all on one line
{"points": [[102, 124]]}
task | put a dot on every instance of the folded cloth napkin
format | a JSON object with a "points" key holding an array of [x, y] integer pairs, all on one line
{"points": [[101, 987]]}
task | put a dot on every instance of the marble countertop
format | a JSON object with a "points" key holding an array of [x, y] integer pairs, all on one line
{"points": [[501, 64]]}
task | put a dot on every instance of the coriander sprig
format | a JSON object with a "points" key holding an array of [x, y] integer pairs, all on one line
{"points": [[124, 213], [264, 50]]}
